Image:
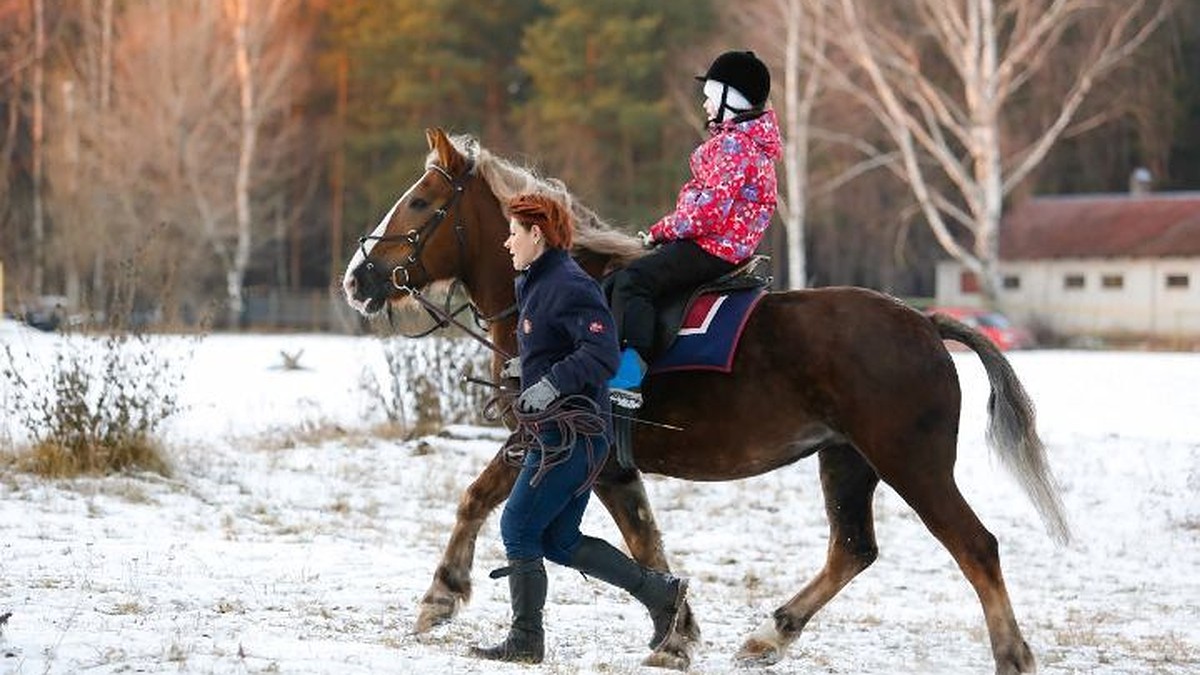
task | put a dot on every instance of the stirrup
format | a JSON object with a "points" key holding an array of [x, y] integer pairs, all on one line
{"points": [[625, 398]]}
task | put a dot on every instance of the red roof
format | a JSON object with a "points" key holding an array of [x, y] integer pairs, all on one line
{"points": [[1103, 226]]}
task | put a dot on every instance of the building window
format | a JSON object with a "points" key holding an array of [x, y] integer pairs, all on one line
{"points": [[1073, 282], [1179, 281], [1112, 282], [1011, 282], [968, 282]]}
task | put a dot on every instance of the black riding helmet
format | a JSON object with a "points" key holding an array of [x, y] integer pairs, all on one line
{"points": [[743, 71]]}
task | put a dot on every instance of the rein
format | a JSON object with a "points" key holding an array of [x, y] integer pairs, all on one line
{"points": [[445, 317]]}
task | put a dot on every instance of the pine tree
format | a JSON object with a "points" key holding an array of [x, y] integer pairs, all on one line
{"points": [[414, 64], [597, 109]]}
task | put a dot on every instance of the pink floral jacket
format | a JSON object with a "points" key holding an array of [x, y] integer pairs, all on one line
{"points": [[729, 201]]}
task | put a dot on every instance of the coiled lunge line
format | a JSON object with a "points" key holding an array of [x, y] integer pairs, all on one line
{"points": [[575, 417]]}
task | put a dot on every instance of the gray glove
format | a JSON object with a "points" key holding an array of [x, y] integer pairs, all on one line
{"points": [[512, 368], [538, 397]]}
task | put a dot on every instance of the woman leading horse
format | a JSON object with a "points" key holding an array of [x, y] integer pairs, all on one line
{"points": [[568, 349]]}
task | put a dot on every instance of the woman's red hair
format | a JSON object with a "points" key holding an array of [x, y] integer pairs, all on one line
{"points": [[547, 213]]}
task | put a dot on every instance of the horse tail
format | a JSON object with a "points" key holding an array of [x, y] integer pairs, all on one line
{"points": [[1011, 431]]}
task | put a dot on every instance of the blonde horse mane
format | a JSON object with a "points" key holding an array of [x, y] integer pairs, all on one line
{"points": [[508, 180]]}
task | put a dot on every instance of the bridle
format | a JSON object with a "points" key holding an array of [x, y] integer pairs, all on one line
{"points": [[416, 239], [402, 275]]}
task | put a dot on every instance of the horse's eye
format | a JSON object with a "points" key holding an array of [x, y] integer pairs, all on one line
{"points": [[418, 203]]}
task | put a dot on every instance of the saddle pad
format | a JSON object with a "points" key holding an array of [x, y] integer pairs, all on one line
{"points": [[708, 337]]}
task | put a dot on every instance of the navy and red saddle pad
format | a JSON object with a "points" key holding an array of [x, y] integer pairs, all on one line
{"points": [[708, 333], [701, 330]]}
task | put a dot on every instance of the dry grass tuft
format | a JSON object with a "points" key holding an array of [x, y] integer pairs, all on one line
{"points": [[424, 388], [51, 458], [94, 408]]}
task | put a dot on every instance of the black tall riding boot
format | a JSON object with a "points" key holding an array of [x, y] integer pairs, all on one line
{"points": [[661, 592], [526, 639]]}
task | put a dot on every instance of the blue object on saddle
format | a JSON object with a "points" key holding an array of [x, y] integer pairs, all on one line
{"points": [[630, 371]]}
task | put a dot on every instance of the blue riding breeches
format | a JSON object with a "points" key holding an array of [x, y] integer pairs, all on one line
{"points": [[543, 520]]}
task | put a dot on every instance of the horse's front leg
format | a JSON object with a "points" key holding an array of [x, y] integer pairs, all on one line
{"points": [[624, 495], [451, 586]]}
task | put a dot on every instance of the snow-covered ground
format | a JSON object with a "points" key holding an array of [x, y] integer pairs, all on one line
{"points": [[291, 539]]}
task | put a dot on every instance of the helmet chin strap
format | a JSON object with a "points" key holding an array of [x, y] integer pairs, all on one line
{"points": [[723, 106], [724, 103]]}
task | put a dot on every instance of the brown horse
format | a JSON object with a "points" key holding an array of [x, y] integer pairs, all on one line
{"points": [[853, 376]]}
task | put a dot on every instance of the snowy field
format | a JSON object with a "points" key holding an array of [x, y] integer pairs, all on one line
{"points": [[290, 539]]}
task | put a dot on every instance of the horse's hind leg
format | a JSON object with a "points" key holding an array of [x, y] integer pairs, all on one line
{"points": [[451, 585], [937, 501], [624, 495], [848, 483]]}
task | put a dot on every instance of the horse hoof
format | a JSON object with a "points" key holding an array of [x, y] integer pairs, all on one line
{"points": [[758, 653], [669, 659], [1017, 661], [435, 613]]}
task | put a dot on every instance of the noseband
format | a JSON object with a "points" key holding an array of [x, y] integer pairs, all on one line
{"points": [[416, 239]]}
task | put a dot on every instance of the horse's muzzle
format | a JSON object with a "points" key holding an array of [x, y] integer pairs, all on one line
{"points": [[367, 288]]}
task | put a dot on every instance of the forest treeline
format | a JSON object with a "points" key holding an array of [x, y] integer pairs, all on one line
{"points": [[174, 154]]}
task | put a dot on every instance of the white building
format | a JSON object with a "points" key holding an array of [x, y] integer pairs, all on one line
{"points": [[1095, 265]]}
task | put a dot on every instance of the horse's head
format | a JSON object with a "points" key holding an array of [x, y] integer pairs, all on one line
{"points": [[422, 239]]}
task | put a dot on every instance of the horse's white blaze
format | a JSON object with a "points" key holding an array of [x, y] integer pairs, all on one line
{"points": [[361, 253]]}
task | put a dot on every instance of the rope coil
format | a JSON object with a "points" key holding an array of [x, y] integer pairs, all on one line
{"points": [[574, 417]]}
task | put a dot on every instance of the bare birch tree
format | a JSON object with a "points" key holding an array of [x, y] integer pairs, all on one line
{"points": [[270, 39], [37, 150], [787, 34], [186, 110], [939, 76], [798, 109], [16, 56], [791, 36], [77, 97], [235, 271], [206, 93]]}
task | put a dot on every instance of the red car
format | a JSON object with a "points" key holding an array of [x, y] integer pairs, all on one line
{"points": [[995, 325]]}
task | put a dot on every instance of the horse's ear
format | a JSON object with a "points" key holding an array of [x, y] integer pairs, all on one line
{"points": [[448, 156]]}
